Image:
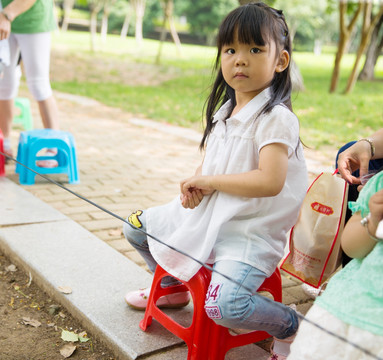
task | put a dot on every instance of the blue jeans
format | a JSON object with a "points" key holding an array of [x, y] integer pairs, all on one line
{"points": [[227, 303]]}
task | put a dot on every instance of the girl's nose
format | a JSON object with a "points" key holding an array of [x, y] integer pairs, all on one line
{"points": [[240, 60]]}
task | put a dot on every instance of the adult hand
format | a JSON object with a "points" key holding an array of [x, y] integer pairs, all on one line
{"points": [[5, 27], [355, 157]]}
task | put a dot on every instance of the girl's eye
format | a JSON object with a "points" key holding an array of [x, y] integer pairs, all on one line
{"points": [[230, 51], [255, 50]]}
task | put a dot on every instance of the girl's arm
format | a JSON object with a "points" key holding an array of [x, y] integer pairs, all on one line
{"points": [[356, 241], [267, 180]]}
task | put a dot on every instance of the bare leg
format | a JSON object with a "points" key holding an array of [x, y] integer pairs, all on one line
{"points": [[6, 116], [49, 113]]}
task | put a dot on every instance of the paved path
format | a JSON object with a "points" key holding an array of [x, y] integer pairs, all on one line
{"points": [[127, 163]]}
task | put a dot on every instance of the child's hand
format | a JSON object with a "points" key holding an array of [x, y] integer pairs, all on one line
{"points": [[192, 199], [197, 182]]}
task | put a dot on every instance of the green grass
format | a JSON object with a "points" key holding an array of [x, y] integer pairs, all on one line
{"points": [[326, 119], [331, 119]]}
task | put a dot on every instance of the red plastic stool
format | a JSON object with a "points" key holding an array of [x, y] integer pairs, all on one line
{"points": [[195, 336], [205, 339], [2, 157]]}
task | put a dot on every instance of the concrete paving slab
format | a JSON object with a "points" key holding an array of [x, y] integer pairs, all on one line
{"points": [[62, 253], [18, 206]]}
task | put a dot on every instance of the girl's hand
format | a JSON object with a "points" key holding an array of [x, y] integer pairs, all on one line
{"points": [[193, 190], [191, 199], [197, 182]]}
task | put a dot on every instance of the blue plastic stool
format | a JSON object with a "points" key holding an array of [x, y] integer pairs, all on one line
{"points": [[25, 116], [31, 142]]}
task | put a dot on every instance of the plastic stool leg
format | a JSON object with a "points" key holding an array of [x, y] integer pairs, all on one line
{"points": [[196, 335], [25, 117]]}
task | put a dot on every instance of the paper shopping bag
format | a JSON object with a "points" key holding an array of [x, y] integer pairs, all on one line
{"points": [[315, 252]]}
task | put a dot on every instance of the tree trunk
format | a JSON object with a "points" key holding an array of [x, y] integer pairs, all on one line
{"points": [[344, 38], [373, 52], [139, 8], [168, 7], [369, 24], [125, 25], [68, 6], [104, 25], [162, 36], [342, 44], [174, 33], [105, 17]]}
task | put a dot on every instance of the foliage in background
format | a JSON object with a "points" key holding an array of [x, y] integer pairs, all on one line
{"points": [[204, 16], [326, 119]]}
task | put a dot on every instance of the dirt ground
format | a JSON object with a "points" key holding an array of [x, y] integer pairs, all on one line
{"points": [[32, 324]]}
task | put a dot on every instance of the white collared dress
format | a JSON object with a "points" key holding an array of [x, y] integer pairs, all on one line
{"points": [[228, 227]]}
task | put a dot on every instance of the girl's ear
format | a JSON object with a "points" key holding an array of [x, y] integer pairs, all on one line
{"points": [[283, 62]]}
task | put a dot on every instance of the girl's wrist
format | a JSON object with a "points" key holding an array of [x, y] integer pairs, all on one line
{"points": [[368, 223]]}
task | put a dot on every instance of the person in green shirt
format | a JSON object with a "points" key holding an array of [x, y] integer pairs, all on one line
{"points": [[352, 305], [27, 24]]}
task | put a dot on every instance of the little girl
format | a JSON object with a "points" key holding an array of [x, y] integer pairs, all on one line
{"points": [[352, 305], [245, 196]]}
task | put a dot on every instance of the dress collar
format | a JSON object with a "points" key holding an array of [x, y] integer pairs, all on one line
{"points": [[252, 107]]}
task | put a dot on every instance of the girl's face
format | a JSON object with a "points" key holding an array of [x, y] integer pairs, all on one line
{"points": [[249, 68]]}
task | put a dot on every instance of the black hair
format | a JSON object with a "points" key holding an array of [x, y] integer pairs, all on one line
{"points": [[252, 23]]}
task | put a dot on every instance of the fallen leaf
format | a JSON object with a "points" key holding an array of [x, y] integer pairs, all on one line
{"points": [[54, 309], [67, 350], [83, 334], [69, 336], [62, 315], [83, 337], [11, 268], [65, 289], [31, 322]]}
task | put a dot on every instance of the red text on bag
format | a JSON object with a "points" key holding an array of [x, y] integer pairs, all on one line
{"points": [[323, 209]]}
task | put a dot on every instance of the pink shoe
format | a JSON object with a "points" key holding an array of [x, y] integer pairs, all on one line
{"points": [[280, 349], [283, 345], [138, 299], [275, 356]]}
